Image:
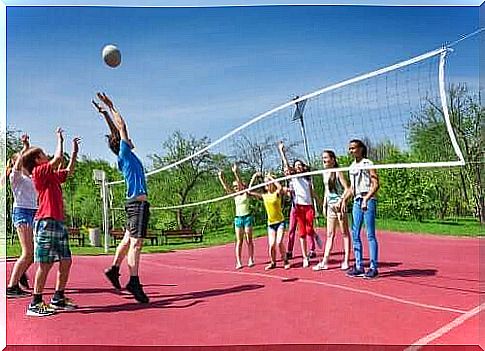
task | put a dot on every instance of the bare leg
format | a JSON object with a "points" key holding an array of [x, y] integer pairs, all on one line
{"points": [[41, 276], [344, 227], [25, 260], [63, 274], [122, 249], [134, 255], [239, 244], [249, 240]]}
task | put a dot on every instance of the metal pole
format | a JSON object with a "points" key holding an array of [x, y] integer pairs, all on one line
{"points": [[104, 195]]}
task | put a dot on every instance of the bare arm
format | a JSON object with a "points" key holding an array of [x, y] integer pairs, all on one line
{"points": [[235, 171], [113, 129], [119, 122], [26, 144], [220, 175], [72, 161], [347, 192], [58, 156], [374, 186], [281, 150], [253, 179]]}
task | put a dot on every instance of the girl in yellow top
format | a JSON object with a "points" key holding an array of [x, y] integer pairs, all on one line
{"points": [[243, 222], [276, 221]]}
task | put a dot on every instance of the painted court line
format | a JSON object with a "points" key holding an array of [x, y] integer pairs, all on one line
{"points": [[309, 281], [445, 329]]}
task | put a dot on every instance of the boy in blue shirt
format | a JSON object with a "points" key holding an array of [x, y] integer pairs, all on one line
{"points": [[137, 207]]}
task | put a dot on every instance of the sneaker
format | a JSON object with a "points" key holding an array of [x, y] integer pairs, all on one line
{"points": [[113, 277], [306, 262], [15, 292], [320, 266], [289, 255], [272, 265], [312, 254], [63, 304], [239, 266], [137, 291], [24, 281], [40, 309], [344, 266], [250, 263], [356, 272], [319, 241], [287, 264], [371, 274]]}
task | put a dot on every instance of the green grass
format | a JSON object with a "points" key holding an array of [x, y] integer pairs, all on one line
{"points": [[457, 227]]}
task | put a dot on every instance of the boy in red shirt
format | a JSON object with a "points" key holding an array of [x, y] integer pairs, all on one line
{"points": [[51, 237]]}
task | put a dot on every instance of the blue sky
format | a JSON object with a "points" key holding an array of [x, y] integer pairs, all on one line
{"points": [[204, 71]]}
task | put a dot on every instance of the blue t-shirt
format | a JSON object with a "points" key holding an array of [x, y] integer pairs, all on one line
{"points": [[132, 170]]}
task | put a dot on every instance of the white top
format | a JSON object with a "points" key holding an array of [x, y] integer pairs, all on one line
{"points": [[336, 195], [301, 187], [24, 193], [360, 179]]}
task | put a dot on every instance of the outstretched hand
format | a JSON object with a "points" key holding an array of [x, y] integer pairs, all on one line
{"points": [[59, 132], [281, 147], [98, 106], [106, 100], [25, 139], [75, 144]]}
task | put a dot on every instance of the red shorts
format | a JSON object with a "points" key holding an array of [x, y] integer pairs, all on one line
{"points": [[304, 219]]}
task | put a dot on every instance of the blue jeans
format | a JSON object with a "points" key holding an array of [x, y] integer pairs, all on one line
{"points": [[369, 217]]}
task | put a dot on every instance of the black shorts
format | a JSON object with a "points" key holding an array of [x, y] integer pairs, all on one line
{"points": [[137, 216]]}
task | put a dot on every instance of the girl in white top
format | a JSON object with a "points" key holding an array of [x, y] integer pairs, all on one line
{"points": [[24, 208], [335, 209]]}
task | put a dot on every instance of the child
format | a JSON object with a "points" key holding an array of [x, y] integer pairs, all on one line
{"points": [[24, 208], [276, 220], [51, 236], [243, 222], [137, 207]]}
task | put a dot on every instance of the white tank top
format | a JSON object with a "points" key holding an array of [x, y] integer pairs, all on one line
{"points": [[24, 193]]}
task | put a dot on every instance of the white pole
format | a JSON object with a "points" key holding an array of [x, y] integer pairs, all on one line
{"points": [[104, 195]]}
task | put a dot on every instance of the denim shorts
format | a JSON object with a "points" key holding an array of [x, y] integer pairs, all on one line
{"points": [[243, 221], [23, 216], [51, 241]]}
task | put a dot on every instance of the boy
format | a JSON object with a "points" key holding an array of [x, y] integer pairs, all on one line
{"points": [[51, 237], [136, 207]]}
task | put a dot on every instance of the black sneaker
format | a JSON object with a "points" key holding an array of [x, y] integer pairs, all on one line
{"points": [[15, 292], [137, 291], [289, 255], [24, 281], [62, 304], [312, 254], [356, 272], [114, 277], [371, 274], [40, 309]]}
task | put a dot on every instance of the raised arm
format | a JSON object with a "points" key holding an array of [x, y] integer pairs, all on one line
{"points": [[235, 171], [25, 146], [220, 175], [58, 156], [72, 161], [118, 120], [281, 150], [112, 127], [279, 188], [253, 179]]}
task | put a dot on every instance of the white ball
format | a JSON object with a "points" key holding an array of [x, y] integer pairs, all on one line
{"points": [[111, 56]]}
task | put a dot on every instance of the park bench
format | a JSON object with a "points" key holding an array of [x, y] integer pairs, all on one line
{"points": [[118, 234], [75, 234], [182, 233]]}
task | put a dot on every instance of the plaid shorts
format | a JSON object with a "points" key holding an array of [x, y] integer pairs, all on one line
{"points": [[51, 241]]}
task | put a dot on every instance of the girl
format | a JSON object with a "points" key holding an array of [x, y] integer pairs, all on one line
{"points": [[276, 221], [243, 222], [364, 185], [303, 200], [334, 208], [24, 209]]}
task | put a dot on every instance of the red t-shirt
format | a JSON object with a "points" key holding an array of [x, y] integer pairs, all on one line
{"points": [[47, 182]]}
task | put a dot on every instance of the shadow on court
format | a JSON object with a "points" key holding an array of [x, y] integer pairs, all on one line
{"points": [[167, 301]]}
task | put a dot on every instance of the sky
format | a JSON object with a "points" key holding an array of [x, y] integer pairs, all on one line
{"points": [[204, 71]]}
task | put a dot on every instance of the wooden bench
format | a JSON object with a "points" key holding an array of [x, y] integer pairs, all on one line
{"points": [[118, 234], [182, 233], [75, 234]]}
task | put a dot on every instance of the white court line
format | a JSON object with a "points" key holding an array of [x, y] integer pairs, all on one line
{"points": [[342, 287], [445, 329]]}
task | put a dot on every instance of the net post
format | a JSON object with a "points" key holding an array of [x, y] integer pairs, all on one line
{"points": [[100, 178]]}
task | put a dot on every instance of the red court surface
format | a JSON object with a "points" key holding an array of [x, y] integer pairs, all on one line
{"points": [[428, 293]]}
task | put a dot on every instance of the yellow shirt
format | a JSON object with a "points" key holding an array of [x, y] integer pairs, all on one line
{"points": [[272, 203]]}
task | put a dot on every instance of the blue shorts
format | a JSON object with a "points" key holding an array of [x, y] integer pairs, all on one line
{"points": [[276, 226], [243, 221], [23, 216]]}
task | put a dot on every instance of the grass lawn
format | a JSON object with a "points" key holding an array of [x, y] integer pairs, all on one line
{"points": [[458, 227]]}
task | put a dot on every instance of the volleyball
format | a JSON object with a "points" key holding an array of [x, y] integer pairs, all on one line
{"points": [[111, 56]]}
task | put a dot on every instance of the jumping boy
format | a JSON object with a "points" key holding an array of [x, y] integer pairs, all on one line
{"points": [[136, 207], [51, 236]]}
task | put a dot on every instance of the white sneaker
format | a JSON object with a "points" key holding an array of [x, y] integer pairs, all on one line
{"points": [[306, 262], [250, 263], [320, 266]]}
